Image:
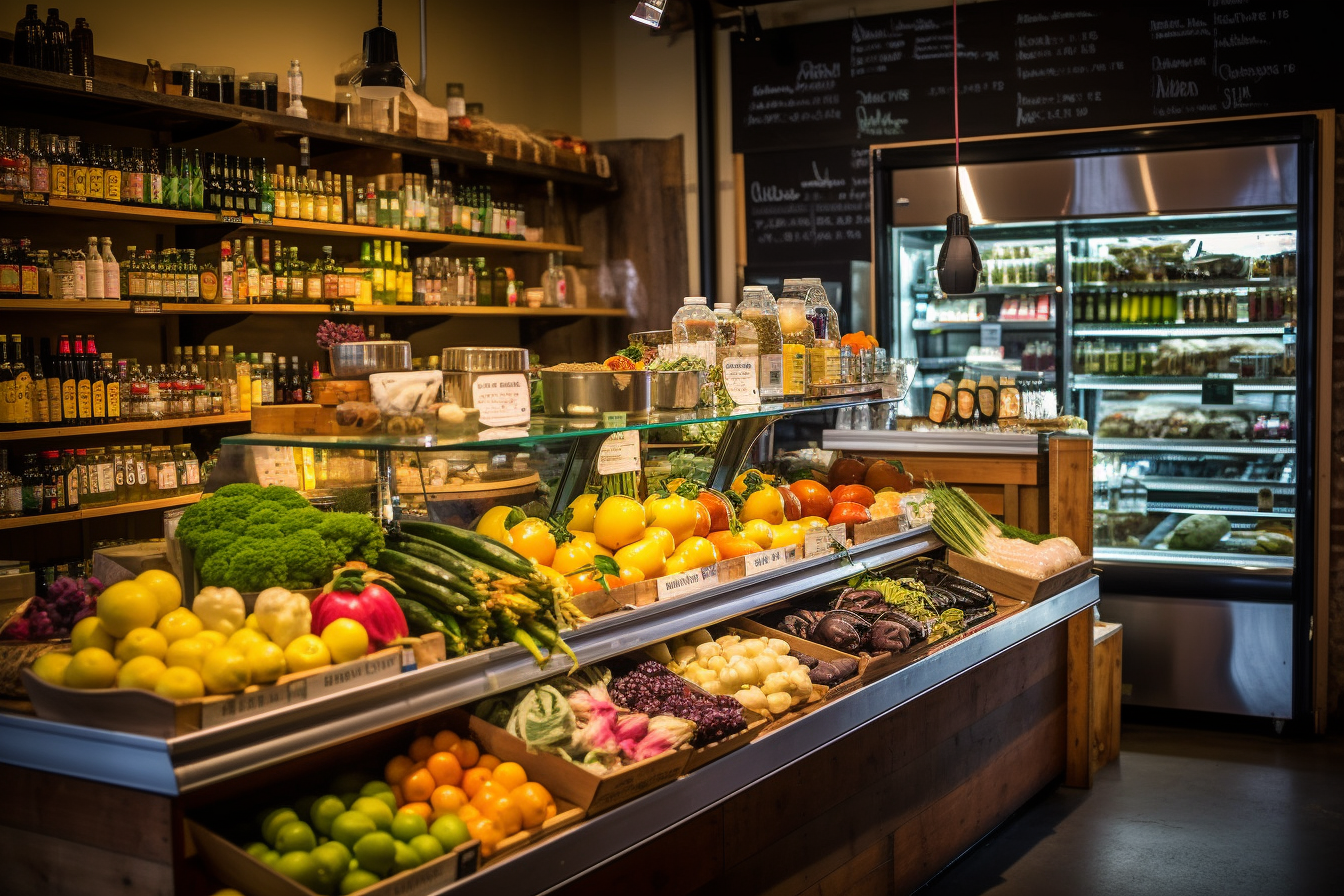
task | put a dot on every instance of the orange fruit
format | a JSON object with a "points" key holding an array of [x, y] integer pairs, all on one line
{"points": [[448, 798], [473, 778], [424, 810], [421, 748], [397, 768], [445, 768], [466, 752], [510, 774], [445, 740], [534, 802], [504, 812], [489, 790], [418, 786], [488, 761], [486, 831], [468, 812]]}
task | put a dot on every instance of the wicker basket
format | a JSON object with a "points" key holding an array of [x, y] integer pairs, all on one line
{"points": [[15, 655]]}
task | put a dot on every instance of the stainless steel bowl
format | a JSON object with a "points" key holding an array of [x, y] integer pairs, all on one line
{"points": [[463, 365], [356, 360], [594, 393], [677, 389]]}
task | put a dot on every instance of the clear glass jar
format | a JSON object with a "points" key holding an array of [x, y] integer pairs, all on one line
{"points": [[798, 338], [188, 470], [758, 307], [162, 472], [694, 329]]}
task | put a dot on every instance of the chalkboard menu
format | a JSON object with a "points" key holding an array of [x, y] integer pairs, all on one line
{"points": [[809, 100]]}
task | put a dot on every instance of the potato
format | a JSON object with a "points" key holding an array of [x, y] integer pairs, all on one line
{"points": [[754, 646], [713, 687], [766, 664], [778, 702], [787, 663], [734, 650], [776, 681], [701, 676], [729, 640], [747, 673], [802, 683], [730, 678], [752, 698]]}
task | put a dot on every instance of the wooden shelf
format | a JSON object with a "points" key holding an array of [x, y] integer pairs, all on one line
{"points": [[101, 305], [114, 211], [62, 432], [45, 519]]}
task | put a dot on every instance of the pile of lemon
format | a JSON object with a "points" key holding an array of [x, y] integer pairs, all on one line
{"points": [[142, 637]]}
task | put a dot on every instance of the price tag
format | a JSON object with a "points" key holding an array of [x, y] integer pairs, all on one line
{"points": [[613, 419], [742, 379], [991, 335], [1218, 391], [229, 219], [352, 674], [688, 582], [244, 705], [261, 218], [619, 454], [764, 561], [823, 541], [146, 306], [503, 399], [34, 199], [343, 306], [88, 85]]}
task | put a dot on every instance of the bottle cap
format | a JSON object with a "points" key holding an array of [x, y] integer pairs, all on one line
{"points": [[696, 300]]}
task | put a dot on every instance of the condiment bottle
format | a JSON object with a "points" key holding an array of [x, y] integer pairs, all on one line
{"points": [[759, 309], [694, 330], [798, 337]]}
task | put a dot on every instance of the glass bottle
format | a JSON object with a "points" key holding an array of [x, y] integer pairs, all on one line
{"points": [[255, 378], [555, 284], [93, 189], [759, 308], [32, 482], [69, 478], [79, 171], [796, 336], [81, 50], [29, 39], [824, 358], [60, 169], [39, 166], [97, 384], [242, 377], [93, 270], [53, 482], [41, 392], [56, 49], [11, 486]]}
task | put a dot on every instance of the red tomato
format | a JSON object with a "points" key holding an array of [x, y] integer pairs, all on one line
{"points": [[718, 510], [857, 494], [793, 508], [849, 513], [814, 498]]}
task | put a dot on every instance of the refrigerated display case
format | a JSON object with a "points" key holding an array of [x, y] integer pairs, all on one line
{"points": [[1185, 269]]}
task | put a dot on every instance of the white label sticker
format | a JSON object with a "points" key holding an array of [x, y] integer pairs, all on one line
{"points": [[991, 335], [823, 541], [225, 711], [502, 398], [772, 373], [353, 674], [742, 379], [764, 561], [688, 582], [619, 454]]}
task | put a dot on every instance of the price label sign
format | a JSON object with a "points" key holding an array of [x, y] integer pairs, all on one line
{"points": [[991, 335], [146, 306], [824, 541], [619, 454], [503, 399], [762, 562], [1218, 391], [742, 379], [343, 306], [613, 419], [680, 585]]}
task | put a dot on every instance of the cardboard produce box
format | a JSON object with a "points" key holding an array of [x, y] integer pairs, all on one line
{"points": [[1011, 584]]}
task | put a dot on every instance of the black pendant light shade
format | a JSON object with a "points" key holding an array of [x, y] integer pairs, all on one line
{"points": [[959, 259], [382, 77]]}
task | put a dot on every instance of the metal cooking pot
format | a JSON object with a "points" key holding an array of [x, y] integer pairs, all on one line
{"points": [[584, 393]]}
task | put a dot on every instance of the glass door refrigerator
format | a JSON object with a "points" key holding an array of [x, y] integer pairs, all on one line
{"points": [[1172, 279]]}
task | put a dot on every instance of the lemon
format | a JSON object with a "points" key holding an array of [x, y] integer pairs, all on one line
{"points": [[307, 652], [225, 671], [346, 639], [252, 622], [244, 638], [89, 632], [141, 642], [180, 623], [188, 653], [141, 672], [218, 639], [125, 606], [180, 683], [266, 661], [92, 667], [165, 588], [51, 666]]}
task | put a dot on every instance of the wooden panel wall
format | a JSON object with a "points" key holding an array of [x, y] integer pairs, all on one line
{"points": [[885, 807]]}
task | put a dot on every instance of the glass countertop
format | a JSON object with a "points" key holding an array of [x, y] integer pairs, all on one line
{"points": [[544, 429]]}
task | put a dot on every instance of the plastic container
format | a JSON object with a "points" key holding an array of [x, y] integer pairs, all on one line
{"points": [[695, 330], [758, 307], [798, 338]]}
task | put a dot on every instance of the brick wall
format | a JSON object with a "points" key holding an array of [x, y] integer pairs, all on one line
{"points": [[1335, 693]]}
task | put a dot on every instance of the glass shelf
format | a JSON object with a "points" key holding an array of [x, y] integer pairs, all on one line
{"points": [[1180, 331], [1182, 383], [542, 429], [1193, 558], [1193, 446]]}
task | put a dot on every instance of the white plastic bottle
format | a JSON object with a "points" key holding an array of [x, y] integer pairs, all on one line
{"points": [[93, 270], [694, 329], [111, 272]]}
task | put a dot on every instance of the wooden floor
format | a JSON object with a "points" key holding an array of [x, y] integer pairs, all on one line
{"points": [[884, 808]]}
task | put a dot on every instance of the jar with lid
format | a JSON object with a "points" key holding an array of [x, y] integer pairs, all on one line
{"points": [[798, 338], [738, 355], [188, 469], [162, 472], [102, 466], [695, 329], [140, 456], [87, 493], [824, 352], [70, 478], [758, 308]]}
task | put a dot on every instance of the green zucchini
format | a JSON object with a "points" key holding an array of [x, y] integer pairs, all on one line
{"points": [[473, 544], [393, 588], [445, 558], [417, 575]]}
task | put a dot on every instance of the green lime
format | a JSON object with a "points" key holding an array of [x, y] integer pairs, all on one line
{"points": [[348, 797], [257, 850], [407, 825], [333, 862], [387, 797], [405, 858], [450, 831], [427, 846], [274, 821], [296, 836], [358, 880], [376, 852], [298, 866], [271, 857], [304, 805], [375, 809], [349, 826], [324, 812], [374, 787]]}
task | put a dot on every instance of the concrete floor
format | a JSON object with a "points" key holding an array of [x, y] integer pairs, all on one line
{"points": [[1185, 811]]}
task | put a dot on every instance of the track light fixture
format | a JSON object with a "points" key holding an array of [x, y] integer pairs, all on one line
{"points": [[959, 259]]}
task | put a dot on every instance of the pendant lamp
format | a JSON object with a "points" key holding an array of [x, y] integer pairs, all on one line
{"points": [[382, 77], [958, 259]]}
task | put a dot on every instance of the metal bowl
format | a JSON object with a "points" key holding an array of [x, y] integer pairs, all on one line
{"points": [[677, 389], [585, 393], [356, 360]]}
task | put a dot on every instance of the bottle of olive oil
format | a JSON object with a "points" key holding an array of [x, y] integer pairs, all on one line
{"points": [[940, 404], [987, 395], [965, 401]]}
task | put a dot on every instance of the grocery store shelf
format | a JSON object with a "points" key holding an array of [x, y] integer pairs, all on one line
{"points": [[98, 305], [116, 212], [74, 305], [1156, 285], [1182, 383], [1218, 486], [574, 851], [1219, 509], [194, 760], [950, 442], [1176, 331], [46, 519], [1194, 446], [932, 325], [1192, 558], [63, 432]]}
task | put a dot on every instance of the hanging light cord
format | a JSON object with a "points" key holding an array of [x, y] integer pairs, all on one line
{"points": [[380, 17], [956, 104]]}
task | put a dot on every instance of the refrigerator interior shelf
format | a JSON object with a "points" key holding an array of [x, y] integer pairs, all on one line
{"points": [[1192, 558], [1223, 509], [1223, 486], [926, 325], [1194, 446], [1224, 283], [1180, 331], [1181, 383]]}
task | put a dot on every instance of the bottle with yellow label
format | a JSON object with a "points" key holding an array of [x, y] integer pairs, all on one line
{"points": [[797, 340], [825, 353]]}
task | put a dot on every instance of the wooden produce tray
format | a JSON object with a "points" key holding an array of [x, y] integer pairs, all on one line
{"points": [[593, 793], [329, 393], [870, 665], [599, 603], [233, 866], [147, 713], [303, 420], [1011, 584]]}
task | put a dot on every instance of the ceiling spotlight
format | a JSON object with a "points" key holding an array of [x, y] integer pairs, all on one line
{"points": [[649, 12], [382, 77]]}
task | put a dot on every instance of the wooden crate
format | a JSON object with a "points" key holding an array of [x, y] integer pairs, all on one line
{"points": [[302, 420], [330, 393], [1012, 584], [1107, 644]]}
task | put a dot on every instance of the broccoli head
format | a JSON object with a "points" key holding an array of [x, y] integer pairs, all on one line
{"points": [[308, 558]]}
